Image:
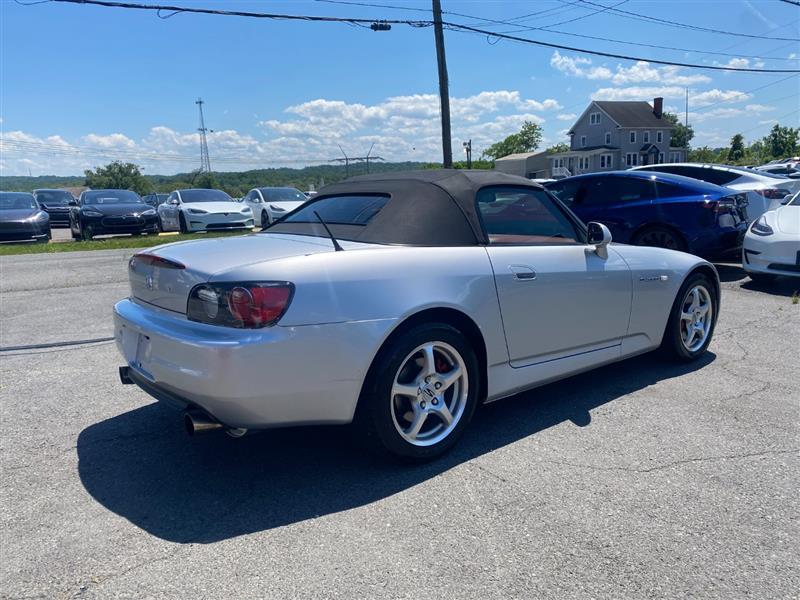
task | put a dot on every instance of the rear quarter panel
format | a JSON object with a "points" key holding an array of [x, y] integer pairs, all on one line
{"points": [[387, 282]]}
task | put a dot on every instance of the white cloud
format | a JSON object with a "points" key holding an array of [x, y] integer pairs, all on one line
{"points": [[638, 93], [715, 95], [640, 72], [750, 110], [114, 140], [567, 117], [578, 66]]}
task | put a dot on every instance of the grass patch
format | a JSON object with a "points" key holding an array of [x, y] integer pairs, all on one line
{"points": [[114, 243]]}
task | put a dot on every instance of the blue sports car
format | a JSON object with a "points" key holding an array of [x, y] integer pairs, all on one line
{"points": [[659, 209]]}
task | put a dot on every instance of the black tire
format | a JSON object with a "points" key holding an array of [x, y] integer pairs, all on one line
{"points": [[659, 237], [379, 409], [762, 278], [672, 345], [159, 225], [264, 219], [182, 223], [86, 233]]}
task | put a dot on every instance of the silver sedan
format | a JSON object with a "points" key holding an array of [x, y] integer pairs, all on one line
{"points": [[399, 302]]}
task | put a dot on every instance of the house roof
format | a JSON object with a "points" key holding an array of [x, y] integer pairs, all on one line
{"points": [[520, 155], [631, 114]]}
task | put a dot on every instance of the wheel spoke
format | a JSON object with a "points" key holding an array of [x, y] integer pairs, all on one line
{"points": [[416, 425], [449, 378], [444, 413], [689, 337], [404, 389], [695, 298], [703, 310], [685, 316], [429, 362]]}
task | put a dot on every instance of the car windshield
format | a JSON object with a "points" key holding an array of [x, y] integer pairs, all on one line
{"points": [[16, 201], [283, 195], [795, 201], [111, 197], [54, 197], [191, 196]]}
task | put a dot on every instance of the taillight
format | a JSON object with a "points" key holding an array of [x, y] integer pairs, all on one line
{"points": [[772, 193], [154, 261], [250, 305]]}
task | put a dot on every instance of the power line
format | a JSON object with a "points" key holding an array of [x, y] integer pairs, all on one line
{"points": [[421, 23], [641, 17], [459, 27]]}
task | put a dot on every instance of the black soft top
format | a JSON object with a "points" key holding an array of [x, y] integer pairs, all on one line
{"points": [[425, 208]]}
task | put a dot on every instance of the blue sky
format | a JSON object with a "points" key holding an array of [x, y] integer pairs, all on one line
{"points": [[83, 85]]}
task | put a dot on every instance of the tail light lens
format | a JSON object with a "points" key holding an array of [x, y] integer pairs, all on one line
{"points": [[772, 193], [250, 305]]}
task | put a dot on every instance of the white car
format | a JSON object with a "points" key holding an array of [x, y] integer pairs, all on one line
{"points": [[271, 203], [764, 190], [772, 244], [400, 301], [203, 210]]}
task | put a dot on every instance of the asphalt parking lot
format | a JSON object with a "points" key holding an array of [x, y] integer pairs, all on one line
{"points": [[641, 480]]}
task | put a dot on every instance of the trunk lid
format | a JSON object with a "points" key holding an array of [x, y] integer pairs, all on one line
{"points": [[166, 283]]}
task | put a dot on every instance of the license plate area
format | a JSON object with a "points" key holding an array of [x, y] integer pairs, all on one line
{"points": [[136, 348]]}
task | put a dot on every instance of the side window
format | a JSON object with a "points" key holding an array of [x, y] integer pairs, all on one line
{"points": [[668, 190], [519, 215], [566, 191], [172, 197], [618, 190], [720, 177]]}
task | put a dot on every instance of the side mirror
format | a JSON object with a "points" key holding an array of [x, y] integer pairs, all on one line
{"points": [[599, 236], [173, 202], [73, 203]]}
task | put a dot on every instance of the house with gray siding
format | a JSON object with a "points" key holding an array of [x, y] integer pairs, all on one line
{"points": [[617, 135]]}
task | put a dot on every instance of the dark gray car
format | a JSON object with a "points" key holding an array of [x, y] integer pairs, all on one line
{"points": [[22, 219]]}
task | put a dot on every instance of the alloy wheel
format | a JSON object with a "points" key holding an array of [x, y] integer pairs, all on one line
{"points": [[697, 312], [429, 393]]}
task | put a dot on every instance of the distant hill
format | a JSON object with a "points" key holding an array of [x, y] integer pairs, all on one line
{"points": [[235, 183]]}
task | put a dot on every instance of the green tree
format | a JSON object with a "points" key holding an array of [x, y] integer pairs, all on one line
{"points": [[206, 181], [118, 175], [556, 148], [681, 134], [736, 151], [702, 155], [527, 140], [781, 142]]}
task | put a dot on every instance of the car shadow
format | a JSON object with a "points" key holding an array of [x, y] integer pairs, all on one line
{"points": [[782, 286], [730, 272], [141, 465]]}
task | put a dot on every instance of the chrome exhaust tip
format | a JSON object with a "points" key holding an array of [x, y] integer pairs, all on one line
{"points": [[196, 421]]}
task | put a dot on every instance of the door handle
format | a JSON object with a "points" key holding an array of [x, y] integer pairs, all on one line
{"points": [[522, 272]]}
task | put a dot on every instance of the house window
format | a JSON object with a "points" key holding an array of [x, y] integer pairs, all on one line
{"points": [[608, 138], [583, 141], [605, 161], [674, 157], [632, 137], [594, 118], [661, 156], [632, 159], [659, 137], [583, 163], [646, 137]]}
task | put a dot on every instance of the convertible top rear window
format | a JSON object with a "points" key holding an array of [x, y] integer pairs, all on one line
{"points": [[340, 210]]}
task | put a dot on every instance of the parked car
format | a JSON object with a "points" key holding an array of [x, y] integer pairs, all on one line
{"points": [[400, 301], [155, 200], [271, 203], [56, 203], [22, 219], [310, 193], [203, 210], [772, 244], [788, 169], [764, 191], [102, 212], [658, 209]]}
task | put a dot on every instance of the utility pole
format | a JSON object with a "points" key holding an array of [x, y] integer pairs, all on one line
{"points": [[444, 92], [468, 149], [346, 162], [205, 161], [368, 153], [686, 118]]}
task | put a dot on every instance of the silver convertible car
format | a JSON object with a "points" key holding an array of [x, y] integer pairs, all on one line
{"points": [[399, 302]]}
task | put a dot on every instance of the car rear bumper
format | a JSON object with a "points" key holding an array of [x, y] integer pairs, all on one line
{"points": [[719, 242], [248, 378]]}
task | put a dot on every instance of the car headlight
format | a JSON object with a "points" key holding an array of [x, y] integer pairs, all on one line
{"points": [[148, 213], [247, 209], [277, 208], [760, 226], [198, 211], [92, 213]]}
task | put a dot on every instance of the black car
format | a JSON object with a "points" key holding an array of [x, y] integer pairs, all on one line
{"points": [[55, 203], [21, 218], [155, 200], [101, 212]]}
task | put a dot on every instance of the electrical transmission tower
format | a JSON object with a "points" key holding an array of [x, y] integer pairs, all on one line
{"points": [[205, 161]]}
